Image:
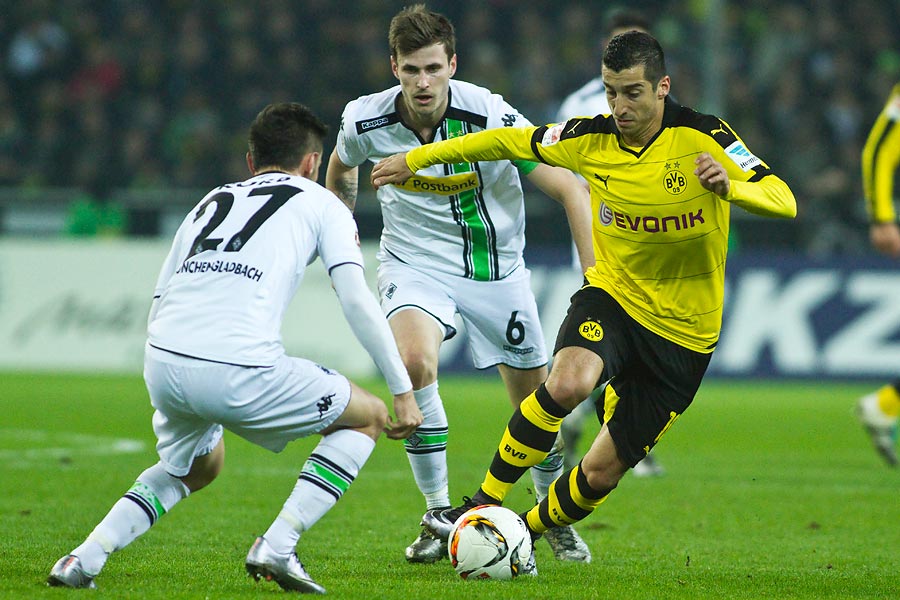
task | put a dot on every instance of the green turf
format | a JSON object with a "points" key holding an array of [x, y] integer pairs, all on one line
{"points": [[772, 491]]}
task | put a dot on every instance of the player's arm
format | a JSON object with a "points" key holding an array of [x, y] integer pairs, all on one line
{"points": [[880, 159], [365, 318], [500, 143], [562, 185], [342, 180], [767, 197]]}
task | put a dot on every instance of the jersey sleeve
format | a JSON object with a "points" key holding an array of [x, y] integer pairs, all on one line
{"points": [[176, 255], [339, 238], [501, 143], [503, 114], [753, 185], [349, 145], [880, 158]]}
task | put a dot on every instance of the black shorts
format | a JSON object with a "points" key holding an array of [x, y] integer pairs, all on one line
{"points": [[650, 380]]}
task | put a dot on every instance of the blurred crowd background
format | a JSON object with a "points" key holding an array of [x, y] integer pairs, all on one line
{"points": [[111, 100]]}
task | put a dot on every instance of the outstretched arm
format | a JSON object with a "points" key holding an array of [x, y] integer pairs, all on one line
{"points": [[509, 143], [370, 327], [562, 185]]}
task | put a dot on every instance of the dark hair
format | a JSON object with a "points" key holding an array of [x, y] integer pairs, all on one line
{"points": [[626, 17], [283, 133], [634, 48], [416, 27]]}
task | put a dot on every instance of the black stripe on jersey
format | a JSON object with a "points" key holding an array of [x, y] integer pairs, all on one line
{"points": [[574, 128], [711, 125], [879, 145], [466, 117], [377, 122]]}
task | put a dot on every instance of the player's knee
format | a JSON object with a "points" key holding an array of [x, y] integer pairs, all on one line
{"points": [[376, 417], [421, 367], [568, 392]]}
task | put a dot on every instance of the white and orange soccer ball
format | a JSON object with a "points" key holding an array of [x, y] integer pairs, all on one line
{"points": [[489, 542]]}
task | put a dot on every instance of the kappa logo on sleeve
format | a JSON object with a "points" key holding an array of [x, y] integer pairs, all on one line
{"points": [[742, 157]]}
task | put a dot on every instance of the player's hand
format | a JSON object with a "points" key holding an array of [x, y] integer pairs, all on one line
{"points": [[408, 417], [885, 238], [392, 169], [712, 175]]}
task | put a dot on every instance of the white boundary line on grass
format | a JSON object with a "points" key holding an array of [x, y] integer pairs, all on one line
{"points": [[20, 447]]}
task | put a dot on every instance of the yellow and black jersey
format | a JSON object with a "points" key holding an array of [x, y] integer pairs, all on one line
{"points": [[660, 238], [880, 158]]}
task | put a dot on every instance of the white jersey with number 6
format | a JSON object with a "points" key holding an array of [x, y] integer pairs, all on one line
{"points": [[221, 293]]}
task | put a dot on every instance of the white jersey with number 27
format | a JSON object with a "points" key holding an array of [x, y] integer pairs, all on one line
{"points": [[236, 262]]}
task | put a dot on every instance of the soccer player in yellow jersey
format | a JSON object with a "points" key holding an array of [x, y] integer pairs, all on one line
{"points": [[879, 411], [663, 179]]}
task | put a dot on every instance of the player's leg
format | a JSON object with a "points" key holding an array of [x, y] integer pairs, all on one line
{"points": [[295, 399], [419, 336], [879, 413], [192, 453], [421, 315], [652, 382], [531, 431], [565, 542]]}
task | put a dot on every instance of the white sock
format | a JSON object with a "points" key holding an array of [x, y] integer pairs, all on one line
{"points": [[327, 473], [153, 494], [546, 472], [426, 449]]}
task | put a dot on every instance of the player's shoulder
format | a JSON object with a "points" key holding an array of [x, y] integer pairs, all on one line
{"points": [[372, 111], [473, 97], [708, 125]]}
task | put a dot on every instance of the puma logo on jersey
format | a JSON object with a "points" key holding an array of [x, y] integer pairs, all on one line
{"points": [[574, 127], [721, 129], [605, 180]]}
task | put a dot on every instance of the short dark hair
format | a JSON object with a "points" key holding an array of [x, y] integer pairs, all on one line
{"points": [[283, 133], [634, 48], [415, 27]]}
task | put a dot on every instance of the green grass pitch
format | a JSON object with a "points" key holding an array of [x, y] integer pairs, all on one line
{"points": [[772, 491]]}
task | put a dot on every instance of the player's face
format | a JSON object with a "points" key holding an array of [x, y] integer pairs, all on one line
{"points": [[425, 81], [636, 104]]}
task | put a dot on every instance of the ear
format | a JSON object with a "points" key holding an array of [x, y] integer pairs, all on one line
{"points": [[250, 164], [309, 166], [395, 69], [662, 88], [452, 65]]}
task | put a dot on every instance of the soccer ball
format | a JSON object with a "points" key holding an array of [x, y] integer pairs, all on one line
{"points": [[489, 542]]}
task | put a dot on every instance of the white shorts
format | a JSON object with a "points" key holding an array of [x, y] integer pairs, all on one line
{"points": [[501, 317], [268, 406]]}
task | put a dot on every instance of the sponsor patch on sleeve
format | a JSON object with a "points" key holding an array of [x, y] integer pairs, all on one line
{"points": [[742, 157], [552, 135]]}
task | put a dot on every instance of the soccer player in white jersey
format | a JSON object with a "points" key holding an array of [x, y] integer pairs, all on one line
{"points": [[214, 357], [587, 101], [452, 244]]}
